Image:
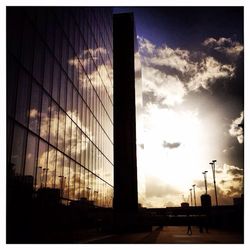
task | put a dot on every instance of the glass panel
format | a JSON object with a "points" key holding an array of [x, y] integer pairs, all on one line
{"points": [[45, 114], [14, 30], [54, 124], [35, 109], [63, 90], [78, 145], [70, 65], [68, 136], [50, 29], [83, 149], [38, 65], [65, 51], [31, 154], [12, 82], [18, 146], [48, 71], [77, 181], [69, 98], [50, 180], [66, 173], [59, 172], [74, 111], [73, 141], [61, 130], [42, 164], [23, 97], [72, 181], [56, 81], [58, 42], [27, 46], [82, 183]]}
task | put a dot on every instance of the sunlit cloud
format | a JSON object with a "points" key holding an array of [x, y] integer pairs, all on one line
{"points": [[236, 130], [224, 45], [172, 73], [168, 89], [230, 181]]}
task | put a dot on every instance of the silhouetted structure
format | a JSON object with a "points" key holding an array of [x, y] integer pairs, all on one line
{"points": [[125, 170], [206, 200]]}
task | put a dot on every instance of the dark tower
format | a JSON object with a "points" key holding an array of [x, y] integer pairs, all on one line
{"points": [[125, 168]]}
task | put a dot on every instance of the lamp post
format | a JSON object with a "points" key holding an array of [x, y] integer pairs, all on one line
{"points": [[205, 180], [191, 196], [194, 195], [213, 170]]}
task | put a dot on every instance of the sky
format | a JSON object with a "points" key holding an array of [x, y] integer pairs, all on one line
{"points": [[193, 100]]}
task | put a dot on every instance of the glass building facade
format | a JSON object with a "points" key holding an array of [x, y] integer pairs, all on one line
{"points": [[60, 100]]}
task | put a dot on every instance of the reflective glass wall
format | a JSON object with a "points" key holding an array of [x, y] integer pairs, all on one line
{"points": [[60, 100]]}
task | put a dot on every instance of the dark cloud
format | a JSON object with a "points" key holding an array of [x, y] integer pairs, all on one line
{"points": [[157, 188], [235, 171], [238, 179], [171, 145]]}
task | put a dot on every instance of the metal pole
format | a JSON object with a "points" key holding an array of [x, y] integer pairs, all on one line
{"points": [[215, 190], [205, 180], [194, 195], [191, 196]]}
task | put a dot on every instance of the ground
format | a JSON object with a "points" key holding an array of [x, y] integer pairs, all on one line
{"points": [[169, 235]]}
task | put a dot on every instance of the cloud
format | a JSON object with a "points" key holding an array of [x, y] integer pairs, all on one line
{"points": [[171, 145], [236, 130], [172, 73], [155, 187], [224, 45], [230, 180]]}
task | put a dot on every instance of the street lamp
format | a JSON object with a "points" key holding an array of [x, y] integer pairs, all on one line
{"points": [[205, 180], [213, 170], [194, 195], [191, 196]]}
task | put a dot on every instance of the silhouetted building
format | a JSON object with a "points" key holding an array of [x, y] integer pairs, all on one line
{"points": [[60, 100], [206, 200], [184, 204], [125, 165]]}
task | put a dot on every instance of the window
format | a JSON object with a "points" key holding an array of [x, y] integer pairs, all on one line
{"points": [[58, 42], [68, 136], [69, 98], [45, 115], [35, 109], [18, 146], [12, 80], [56, 81], [77, 181], [54, 124], [23, 97], [27, 46], [50, 179], [72, 180], [66, 174], [63, 91], [38, 66], [31, 154], [48, 71], [59, 171], [61, 130], [42, 164]]}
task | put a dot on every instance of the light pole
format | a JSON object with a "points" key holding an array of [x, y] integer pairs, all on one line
{"points": [[191, 196], [213, 170], [205, 180], [194, 195]]}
